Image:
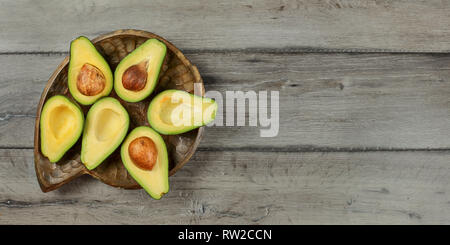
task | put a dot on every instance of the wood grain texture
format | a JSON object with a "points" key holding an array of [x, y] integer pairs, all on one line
{"points": [[335, 101], [402, 25], [246, 188]]}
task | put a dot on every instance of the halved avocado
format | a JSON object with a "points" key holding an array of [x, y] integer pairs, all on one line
{"points": [[61, 125], [137, 74], [144, 155], [90, 76], [176, 111], [106, 126]]}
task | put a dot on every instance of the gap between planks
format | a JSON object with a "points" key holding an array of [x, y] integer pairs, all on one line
{"points": [[290, 149], [287, 51]]}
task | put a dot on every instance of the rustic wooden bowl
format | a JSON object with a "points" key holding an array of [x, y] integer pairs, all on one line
{"points": [[177, 72]]}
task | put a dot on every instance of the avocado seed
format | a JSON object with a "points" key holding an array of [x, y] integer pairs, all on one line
{"points": [[143, 153], [135, 77], [90, 80]]}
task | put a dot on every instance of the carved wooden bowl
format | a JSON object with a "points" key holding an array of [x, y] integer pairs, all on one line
{"points": [[177, 72]]}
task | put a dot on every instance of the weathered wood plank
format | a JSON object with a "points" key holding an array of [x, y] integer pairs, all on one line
{"points": [[246, 188], [352, 101], [47, 26]]}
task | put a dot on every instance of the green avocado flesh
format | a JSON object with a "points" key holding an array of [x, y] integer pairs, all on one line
{"points": [[61, 125], [137, 74], [106, 126], [156, 180], [175, 112], [89, 77]]}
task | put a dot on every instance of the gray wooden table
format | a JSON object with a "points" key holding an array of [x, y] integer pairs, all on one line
{"points": [[364, 111]]}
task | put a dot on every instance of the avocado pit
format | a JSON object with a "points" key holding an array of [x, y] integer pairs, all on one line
{"points": [[143, 153], [90, 80], [135, 77]]}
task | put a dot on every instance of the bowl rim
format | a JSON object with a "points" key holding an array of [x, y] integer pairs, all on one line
{"points": [[121, 32]]}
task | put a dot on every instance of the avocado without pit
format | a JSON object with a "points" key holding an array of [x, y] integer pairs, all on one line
{"points": [[176, 111], [61, 125], [144, 155], [89, 76], [106, 126], [136, 75]]}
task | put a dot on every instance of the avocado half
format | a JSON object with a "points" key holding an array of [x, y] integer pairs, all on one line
{"points": [[136, 75], [89, 77], [144, 155], [176, 111], [61, 125], [106, 126]]}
